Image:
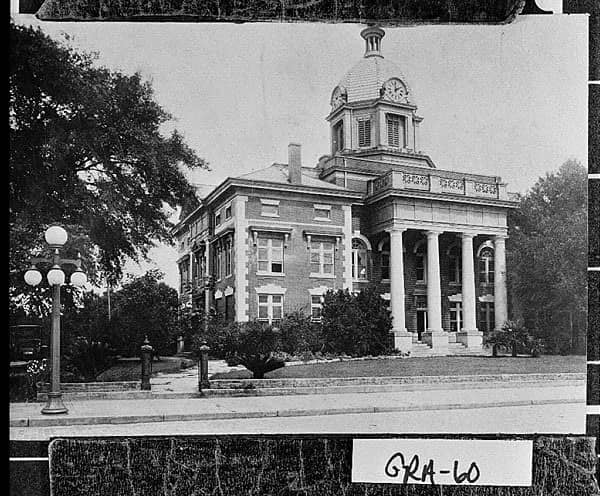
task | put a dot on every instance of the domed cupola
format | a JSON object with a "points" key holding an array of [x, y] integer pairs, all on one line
{"points": [[373, 108]]}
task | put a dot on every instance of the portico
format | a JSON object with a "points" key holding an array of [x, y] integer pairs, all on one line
{"points": [[437, 335]]}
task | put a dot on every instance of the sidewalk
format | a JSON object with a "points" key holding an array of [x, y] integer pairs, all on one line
{"points": [[94, 412]]}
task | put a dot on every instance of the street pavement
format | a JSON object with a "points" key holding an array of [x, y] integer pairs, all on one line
{"points": [[560, 418]]}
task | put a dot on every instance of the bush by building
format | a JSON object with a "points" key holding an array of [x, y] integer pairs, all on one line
{"points": [[515, 338], [300, 335], [356, 324], [252, 344]]}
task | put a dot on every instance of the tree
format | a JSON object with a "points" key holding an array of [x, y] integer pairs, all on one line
{"points": [[356, 324], [547, 256], [87, 150], [144, 306]]}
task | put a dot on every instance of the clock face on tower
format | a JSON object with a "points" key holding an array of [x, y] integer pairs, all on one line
{"points": [[338, 98], [394, 90]]}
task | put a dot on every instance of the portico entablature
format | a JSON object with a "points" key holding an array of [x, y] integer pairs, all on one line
{"points": [[432, 215]]}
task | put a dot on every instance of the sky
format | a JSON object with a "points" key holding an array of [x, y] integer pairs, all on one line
{"points": [[507, 100]]}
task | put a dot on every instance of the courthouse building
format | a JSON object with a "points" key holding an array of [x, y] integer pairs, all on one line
{"points": [[374, 210]]}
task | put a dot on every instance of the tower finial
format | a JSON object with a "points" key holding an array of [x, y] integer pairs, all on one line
{"points": [[372, 36]]}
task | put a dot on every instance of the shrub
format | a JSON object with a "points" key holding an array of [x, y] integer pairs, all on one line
{"points": [[254, 345], [86, 359], [358, 325], [213, 332], [300, 335], [514, 337]]}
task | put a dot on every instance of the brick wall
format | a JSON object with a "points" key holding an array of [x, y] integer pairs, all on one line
{"points": [[296, 280]]}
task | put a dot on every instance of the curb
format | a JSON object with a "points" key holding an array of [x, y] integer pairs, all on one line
{"points": [[177, 417], [293, 387]]}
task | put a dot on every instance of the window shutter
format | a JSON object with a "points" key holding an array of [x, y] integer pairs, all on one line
{"points": [[395, 128], [364, 133]]}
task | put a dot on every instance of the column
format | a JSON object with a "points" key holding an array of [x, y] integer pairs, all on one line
{"points": [[347, 244], [191, 272], [207, 279], [469, 335], [240, 259], [402, 338], [435, 335], [500, 298]]}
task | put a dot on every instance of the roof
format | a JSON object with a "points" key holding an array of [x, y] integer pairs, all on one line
{"points": [[278, 173], [365, 79], [203, 190]]}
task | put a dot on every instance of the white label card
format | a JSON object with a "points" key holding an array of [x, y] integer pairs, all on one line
{"points": [[466, 462]]}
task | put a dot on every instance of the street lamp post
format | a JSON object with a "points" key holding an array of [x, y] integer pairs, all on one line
{"points": [[56, 237]]}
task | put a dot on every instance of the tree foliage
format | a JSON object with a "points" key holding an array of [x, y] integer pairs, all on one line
{"points": [[144, 306], [547, 254], [87, 150], [356, 324]]}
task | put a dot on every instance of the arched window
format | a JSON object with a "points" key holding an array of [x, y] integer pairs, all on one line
{"points": [[486, 265], [421, 261], [454, 265], [359, 259]]}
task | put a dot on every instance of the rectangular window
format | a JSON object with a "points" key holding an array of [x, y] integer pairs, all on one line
{"points": [[217, 219], [420, 267], [456, 316], [269, 208], [184, 275], [195, 269], [228, 258], [385, 265], [486, 317], [322, 212], [228, 213], [270, 255], [316, 307], [218, 262], [229, 308], [321, 258], [338, 137], [396, 131], [364, 133], [270, 308], [201, 265]]}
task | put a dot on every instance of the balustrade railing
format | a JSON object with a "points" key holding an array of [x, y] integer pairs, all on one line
{"points": [[438, 183]]}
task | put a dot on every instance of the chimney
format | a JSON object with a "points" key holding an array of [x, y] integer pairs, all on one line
{"points": [[294, 163]]}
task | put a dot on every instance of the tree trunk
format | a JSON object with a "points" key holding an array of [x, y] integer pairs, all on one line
{"points": [[514, 349], [494, 350]]}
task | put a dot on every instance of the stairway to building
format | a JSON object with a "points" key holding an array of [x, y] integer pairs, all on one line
{"points": [[421, 349]]}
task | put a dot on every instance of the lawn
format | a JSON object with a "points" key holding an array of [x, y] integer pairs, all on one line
{"points": [[131, 369], [457, 365]]}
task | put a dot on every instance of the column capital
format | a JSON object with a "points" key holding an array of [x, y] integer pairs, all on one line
{"points": [[467, 235], [500, 237], [432, 233], [395, 229]]}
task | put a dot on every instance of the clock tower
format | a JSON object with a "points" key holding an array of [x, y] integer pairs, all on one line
{"points": [[373, 110]]}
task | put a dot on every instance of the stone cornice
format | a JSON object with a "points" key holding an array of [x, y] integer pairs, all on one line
{"points": [[354, 196], [367, 104]]}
